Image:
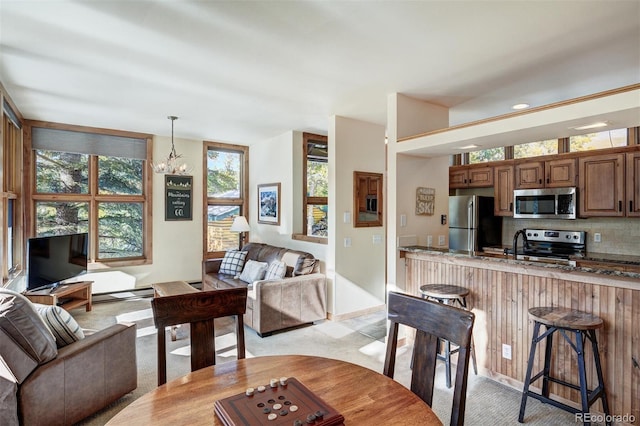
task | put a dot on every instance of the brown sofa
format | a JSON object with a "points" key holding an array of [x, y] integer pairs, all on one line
{"points": [[43, 385], [298, 298]]}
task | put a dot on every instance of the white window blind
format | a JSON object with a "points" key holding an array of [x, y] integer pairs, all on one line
{"points": [[88, 143]]}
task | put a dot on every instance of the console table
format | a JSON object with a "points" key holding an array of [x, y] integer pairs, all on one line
{"points": [[67, 296]]}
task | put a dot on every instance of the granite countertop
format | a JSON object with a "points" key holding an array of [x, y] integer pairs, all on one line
{"points": [[590, 256], [608, 257]]}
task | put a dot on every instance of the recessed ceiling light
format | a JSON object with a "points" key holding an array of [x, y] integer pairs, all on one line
{"points": [[469, 146], [592, 125], [520, 106]]}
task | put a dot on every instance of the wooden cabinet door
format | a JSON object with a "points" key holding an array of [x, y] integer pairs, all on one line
{"points": [[560, 173], [480, 177], [503, 191], [601, 188], [458, 177], [633, 184], [529, 175]]}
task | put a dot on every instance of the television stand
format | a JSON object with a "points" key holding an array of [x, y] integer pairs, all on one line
{"points": [[67, 296]]}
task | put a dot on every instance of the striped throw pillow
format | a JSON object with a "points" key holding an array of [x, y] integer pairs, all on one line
{"points": [[64, 328], [276, 270]]}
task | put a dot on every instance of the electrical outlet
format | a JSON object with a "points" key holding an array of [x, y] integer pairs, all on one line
{"points": [[440, 240], [347, 242], [506, 351], [377, 239], [597, 237], [429, 240]]}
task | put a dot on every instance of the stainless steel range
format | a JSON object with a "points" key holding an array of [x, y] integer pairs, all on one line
{"points": [[549, 246]]}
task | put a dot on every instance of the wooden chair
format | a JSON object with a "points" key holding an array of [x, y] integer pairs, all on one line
{"points": [[199, 310], [432, 320]]}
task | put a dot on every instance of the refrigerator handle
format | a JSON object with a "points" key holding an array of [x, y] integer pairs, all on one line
{"points": [[470, 226]]}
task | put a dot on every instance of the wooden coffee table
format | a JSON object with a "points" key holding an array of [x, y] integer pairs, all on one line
{"points": [[172, 288], [67, 296]]}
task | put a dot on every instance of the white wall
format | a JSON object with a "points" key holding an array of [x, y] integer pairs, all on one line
{"points": [[359, 271], [414, 172], [177, 245]]}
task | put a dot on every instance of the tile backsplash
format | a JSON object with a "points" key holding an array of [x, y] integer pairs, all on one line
{"points": [[618, 235]]}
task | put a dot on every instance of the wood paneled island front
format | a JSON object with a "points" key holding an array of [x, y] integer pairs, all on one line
{"points": [[501, 293]]}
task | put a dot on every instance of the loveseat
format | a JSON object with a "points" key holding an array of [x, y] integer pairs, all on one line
{"points": [[44, 381], [290, 292]]}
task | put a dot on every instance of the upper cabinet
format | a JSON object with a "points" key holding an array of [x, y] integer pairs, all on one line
{"points": [[633, 184], [470, 177], [602, 187], [503, 190], [546, 174]]}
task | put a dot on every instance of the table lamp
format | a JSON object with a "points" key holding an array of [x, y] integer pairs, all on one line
{"points": [[241, 226]]}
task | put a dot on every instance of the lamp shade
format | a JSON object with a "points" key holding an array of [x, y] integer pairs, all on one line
{"points": [[240, 224]]}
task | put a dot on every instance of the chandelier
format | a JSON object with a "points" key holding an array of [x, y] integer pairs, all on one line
{"points": [[172, 165]]}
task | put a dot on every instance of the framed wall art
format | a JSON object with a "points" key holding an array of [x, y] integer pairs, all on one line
{"points": [[178, 197], [269, 203], [425, 200]]}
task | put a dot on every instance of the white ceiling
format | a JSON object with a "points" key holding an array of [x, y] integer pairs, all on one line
{"points": [[246, 71]]}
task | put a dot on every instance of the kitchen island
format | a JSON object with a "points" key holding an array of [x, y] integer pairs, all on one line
{"points": [[501, 293]]}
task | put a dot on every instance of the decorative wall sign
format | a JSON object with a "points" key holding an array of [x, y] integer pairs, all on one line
{"points": [[269, 203], [178, 199], [425, 201]]}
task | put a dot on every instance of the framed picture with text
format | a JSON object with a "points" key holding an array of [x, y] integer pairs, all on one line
{"points": [[269, 203], [178, 191]]}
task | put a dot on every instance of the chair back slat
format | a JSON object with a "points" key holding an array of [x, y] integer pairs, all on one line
{"points": [[432, 321]]}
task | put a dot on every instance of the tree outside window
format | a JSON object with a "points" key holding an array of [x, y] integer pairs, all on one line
{"points": [[316, 186]]}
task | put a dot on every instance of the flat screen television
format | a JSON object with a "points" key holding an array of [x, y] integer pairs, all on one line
{"points": [[51, 260]]}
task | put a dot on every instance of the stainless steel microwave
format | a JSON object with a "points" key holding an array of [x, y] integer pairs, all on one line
{"points": [[545, 203]]}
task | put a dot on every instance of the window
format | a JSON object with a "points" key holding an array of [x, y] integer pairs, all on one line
{"points": [[226, 183], [95, 182], [316, 186], [10, 194], [485, 155], [599, 140], [535, 149]]}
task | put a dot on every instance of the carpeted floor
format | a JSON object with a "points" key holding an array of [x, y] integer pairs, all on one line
{"points": [[359, 340]]}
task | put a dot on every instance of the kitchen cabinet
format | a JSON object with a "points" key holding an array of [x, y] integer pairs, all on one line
{"points": [[503, 190], [602, 186], [470, 177], [633, 184], [546, 174]]}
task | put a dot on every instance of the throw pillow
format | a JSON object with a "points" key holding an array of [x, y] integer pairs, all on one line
{"points": [[304, 267], [64, 328], [253, 271], [233, 262], [276, 270], [20, 321]]}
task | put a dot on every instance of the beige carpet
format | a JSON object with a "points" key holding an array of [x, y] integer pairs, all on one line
{"points": [[360, 340]]}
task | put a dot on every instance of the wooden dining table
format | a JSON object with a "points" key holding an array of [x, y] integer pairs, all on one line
{"points": [[361, 395]]}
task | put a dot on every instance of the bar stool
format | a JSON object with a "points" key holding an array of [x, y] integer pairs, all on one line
{"points": [[449, 295], [566, 321]]}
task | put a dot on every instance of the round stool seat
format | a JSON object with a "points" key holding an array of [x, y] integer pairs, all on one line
{"points": [[443, 291], [565, 318]]}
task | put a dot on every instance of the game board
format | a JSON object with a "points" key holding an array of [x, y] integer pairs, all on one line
{"points": [[284, 401]]}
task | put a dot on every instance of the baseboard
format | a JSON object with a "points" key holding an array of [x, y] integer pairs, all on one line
{"points": [[355, 314]]}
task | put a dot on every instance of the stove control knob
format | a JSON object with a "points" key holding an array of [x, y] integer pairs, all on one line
{"points": [[575, 237]]}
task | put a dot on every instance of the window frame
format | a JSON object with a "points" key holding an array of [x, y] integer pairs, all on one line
{"points": [[93, 197], [242, 201], [307, 200], [10, 189]]}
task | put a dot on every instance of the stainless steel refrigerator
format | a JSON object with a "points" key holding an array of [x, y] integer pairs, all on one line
{"points": [[472, 224]]}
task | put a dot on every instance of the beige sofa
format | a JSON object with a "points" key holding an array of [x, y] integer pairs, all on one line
{"points": [[41, 384], [296, 299]]}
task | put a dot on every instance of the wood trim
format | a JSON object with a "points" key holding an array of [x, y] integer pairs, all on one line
{"points": [[526, 112]]}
